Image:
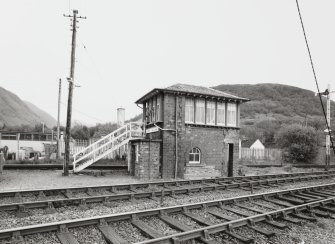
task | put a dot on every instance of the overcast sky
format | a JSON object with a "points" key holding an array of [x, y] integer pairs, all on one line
{"points": [[133, 46]]}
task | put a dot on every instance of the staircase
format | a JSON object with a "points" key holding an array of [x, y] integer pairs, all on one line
{"points": [[105, 146]]}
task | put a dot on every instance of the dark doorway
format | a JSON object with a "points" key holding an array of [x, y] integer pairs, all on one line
{"points": [[132, 160], [230, 160]]}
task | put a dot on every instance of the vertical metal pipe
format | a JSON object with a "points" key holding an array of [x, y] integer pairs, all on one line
{"points": [[176, 162]]}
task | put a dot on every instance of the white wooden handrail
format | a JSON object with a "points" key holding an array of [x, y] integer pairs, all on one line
{"points": [[104, 146]]}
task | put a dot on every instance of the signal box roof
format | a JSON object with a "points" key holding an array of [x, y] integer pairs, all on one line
{"points": [[192, 90]]}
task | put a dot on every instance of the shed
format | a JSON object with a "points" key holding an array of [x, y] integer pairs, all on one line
{"points": [[257, 145]]}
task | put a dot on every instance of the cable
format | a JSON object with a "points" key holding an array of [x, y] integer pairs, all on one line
{"points": [[314, 73], [89, 116], [92, 61]]}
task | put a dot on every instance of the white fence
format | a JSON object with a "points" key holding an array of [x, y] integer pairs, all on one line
{"points": [[75, 146], [268, 154], [21, 148]]}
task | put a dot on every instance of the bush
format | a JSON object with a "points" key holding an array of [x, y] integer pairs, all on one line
{"points": [[298, 142]]}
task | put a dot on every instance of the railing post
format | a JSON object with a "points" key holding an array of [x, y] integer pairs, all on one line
{"points": [[74, 162], [94, 152]]}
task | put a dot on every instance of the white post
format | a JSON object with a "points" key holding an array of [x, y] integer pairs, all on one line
{"points": [[18, 146]]}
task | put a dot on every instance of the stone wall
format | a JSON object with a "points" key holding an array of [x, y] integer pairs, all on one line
{"points": [[147, 164]]}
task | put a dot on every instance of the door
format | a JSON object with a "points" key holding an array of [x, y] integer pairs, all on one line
{"points": [[230, 160], [132, 159]]}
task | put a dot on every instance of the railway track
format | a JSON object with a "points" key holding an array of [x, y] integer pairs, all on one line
{"points": [[49, 199], [60, 166], [206, 222]]}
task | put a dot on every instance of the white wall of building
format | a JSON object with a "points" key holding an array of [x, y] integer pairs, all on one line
{"points": [[14, 145], [257, 145]]}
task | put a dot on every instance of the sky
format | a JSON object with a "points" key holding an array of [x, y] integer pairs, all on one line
{"points": [[126, 48]]}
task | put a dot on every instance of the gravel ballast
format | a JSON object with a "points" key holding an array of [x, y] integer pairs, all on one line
{"points": [[37, 216], [313, 233]]}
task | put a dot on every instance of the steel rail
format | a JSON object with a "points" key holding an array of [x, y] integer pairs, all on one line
{"points": [[103, 198], [60, 166], [228, 226], [132, 186], [186, 235]]}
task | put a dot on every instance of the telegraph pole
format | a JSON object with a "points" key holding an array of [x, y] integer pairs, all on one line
{"points": [[328, 131], [58, 129], [69, 101], [328, 134]]}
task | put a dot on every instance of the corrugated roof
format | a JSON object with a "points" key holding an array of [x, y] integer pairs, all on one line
{"points": [[192, 89]]}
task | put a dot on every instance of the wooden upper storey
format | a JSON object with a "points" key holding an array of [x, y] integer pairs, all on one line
{"points": [[198, 106]]}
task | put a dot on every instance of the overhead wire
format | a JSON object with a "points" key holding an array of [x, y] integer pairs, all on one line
{"points": [[314, 74], [87, 115], [92, 61]]}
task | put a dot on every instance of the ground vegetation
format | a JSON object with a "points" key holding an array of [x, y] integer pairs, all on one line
{"points": [[299, 143]]}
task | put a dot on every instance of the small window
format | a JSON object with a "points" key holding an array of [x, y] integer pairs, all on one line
{"points": [[158, 110], [194, 156], [154, 109], [147, 113]]}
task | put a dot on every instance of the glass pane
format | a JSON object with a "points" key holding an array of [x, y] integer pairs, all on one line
{"points": [[197, 157], [221, 117], [189, 110], [192, 157], [200, 111]]}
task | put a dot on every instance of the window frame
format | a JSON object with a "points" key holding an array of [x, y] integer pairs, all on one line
{"points": [[221, 106], [208, 114], [158, 108], [189, 101], [197, 152], [229, 116], [200, 101]]}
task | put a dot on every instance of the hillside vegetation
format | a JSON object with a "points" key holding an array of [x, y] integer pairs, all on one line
{"points": [[276, 101], [273, 106], [15, 112]]}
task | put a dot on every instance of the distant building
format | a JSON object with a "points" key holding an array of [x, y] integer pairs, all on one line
{"points": [[21, 143], [189, 131], [257, 145], [16, 141]]}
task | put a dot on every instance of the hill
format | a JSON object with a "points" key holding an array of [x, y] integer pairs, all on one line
{"points": [[15, 112], [276, 101], [273, 106], [47, 118]]}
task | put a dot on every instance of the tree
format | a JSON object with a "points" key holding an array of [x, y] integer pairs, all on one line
{"points": [[299, 143], [80, 132]]}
